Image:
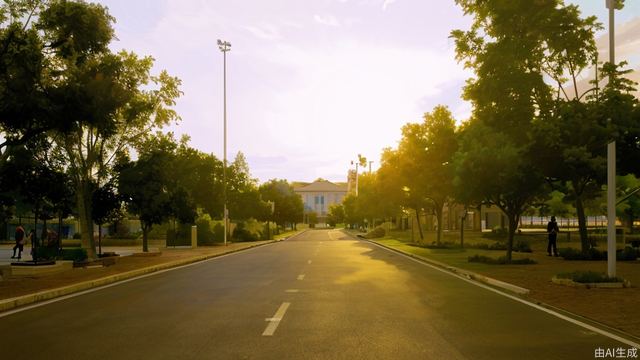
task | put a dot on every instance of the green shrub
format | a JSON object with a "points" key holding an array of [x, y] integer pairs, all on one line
{"points": [[522, 246], [627, 254], [442, 245], [375, 233], [575, 254], [500, 261], [481, 246], [498, 246], [205, 235], [588, 277], [75, 254], [242, 233], [180, 236], [46, 253]]}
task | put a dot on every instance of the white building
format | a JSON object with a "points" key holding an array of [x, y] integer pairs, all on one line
{"points": [[319, 196]]}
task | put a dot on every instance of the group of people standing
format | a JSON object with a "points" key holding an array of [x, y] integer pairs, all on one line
{"points": [[21, 239]]}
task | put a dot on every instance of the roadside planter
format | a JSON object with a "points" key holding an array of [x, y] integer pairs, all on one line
{"points": [[589, 280]]}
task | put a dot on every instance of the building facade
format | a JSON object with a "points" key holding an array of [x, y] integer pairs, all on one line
{"points": [[319, 195]]}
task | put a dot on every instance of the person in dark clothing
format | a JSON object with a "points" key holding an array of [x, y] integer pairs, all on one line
{"points": [[552, 230], [19, 237]]}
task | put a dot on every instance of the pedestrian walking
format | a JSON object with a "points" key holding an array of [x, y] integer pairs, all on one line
{"points": [[19, 237], [552, 230]]}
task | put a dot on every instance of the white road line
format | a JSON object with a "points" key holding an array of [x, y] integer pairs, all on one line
{"points": [[292, 291], [275, 320], [535, 306], [301, 277]]}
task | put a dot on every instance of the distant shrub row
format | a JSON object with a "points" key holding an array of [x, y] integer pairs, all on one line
{"points": [[500, 261], [375, 233], [627, 254]]}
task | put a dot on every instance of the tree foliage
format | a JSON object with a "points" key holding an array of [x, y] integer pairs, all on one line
{"points": [[288, 206]]}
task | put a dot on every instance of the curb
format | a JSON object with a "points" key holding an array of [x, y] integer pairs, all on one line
{"points": [[11, 303], [461, 272]]}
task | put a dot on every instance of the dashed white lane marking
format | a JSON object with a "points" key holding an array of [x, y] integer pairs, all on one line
{"points": [[275, 320], [292, 290], [301, 277]]}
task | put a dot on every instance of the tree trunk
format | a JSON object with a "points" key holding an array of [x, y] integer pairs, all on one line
{"points": [[34, 239], [438, 209], [419, 226], [145, 236], [59, 231], [99, 239], [83, 197], [462, 230], [582, 225], [513, 224]]}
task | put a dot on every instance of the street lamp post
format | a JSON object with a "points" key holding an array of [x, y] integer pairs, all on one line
{"points": [[224, 47], [611, 165]]}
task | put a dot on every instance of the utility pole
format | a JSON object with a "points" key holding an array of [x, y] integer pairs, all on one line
{"points": [[224, 47]]}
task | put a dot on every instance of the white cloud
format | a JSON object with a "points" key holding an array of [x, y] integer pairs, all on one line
{"points": [[264, 31], [328, 20], [387, 3]]}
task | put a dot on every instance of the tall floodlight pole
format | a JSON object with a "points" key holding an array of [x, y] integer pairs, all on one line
{"points": [[224, 47], [611, 164], [356, 176]]}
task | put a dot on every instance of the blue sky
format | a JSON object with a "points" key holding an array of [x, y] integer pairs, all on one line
{"points": [[311, 84]]}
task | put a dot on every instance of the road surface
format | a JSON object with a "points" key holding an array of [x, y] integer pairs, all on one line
{"points": [[319, 295]]}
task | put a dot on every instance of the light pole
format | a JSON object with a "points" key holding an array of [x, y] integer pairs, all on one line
{"points": [[611, 164], [224, 47], [357, 163]]}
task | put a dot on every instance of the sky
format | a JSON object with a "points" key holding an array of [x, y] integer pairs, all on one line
{"points": [[313, 83]]}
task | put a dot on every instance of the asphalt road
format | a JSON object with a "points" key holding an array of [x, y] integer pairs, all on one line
{"points": [[320, 295]]}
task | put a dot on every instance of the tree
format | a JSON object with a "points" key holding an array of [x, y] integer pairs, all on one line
{"points": [[433, 150], [151, 188], [512, 47], [398, 186], [201, 174], [245, 201], [336, 214], [288, 206], [107, 207], [490, 168], [61, 77]]}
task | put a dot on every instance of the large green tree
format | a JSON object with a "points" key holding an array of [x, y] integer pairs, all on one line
{"points": [[59, 75], [152, 188], [513, 47]]}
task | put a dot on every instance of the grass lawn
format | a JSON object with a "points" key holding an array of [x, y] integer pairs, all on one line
{"points": [[618, 308]]}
